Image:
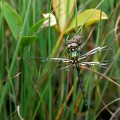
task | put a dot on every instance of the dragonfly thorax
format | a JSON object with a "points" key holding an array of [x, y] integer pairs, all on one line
{"points": [[73, 54]]}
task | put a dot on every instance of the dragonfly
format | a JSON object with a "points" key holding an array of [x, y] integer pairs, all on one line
{"points": [[77, 59], [74, 48]]}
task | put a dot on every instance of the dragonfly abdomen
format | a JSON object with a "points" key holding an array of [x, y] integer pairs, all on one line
{"points": [[82, 88]]}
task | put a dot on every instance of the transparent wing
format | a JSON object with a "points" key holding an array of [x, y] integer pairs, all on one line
{"points": [[48, 64], [91, 52], [50, 59], [60, 60], [93, 63]]}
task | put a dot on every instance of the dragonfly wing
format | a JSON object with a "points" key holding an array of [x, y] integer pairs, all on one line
{"points": [[60, 60], [93, 63], [49, 59], [91, 52], [66, 67]]}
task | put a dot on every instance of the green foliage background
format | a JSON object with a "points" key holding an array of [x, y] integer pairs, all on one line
{"points": [[43, 91]]}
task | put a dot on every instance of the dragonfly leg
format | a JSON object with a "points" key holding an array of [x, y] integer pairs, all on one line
{"points": [[82, 88]]}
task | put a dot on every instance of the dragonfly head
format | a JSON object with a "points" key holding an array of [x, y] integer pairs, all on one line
{"points": [[73, 46]]}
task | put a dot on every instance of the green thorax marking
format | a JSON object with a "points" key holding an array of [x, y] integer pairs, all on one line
{"points": [[74, 55]]}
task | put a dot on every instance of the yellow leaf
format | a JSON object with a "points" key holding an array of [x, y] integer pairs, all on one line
{"points": [[86, 18], [62, 9]]}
